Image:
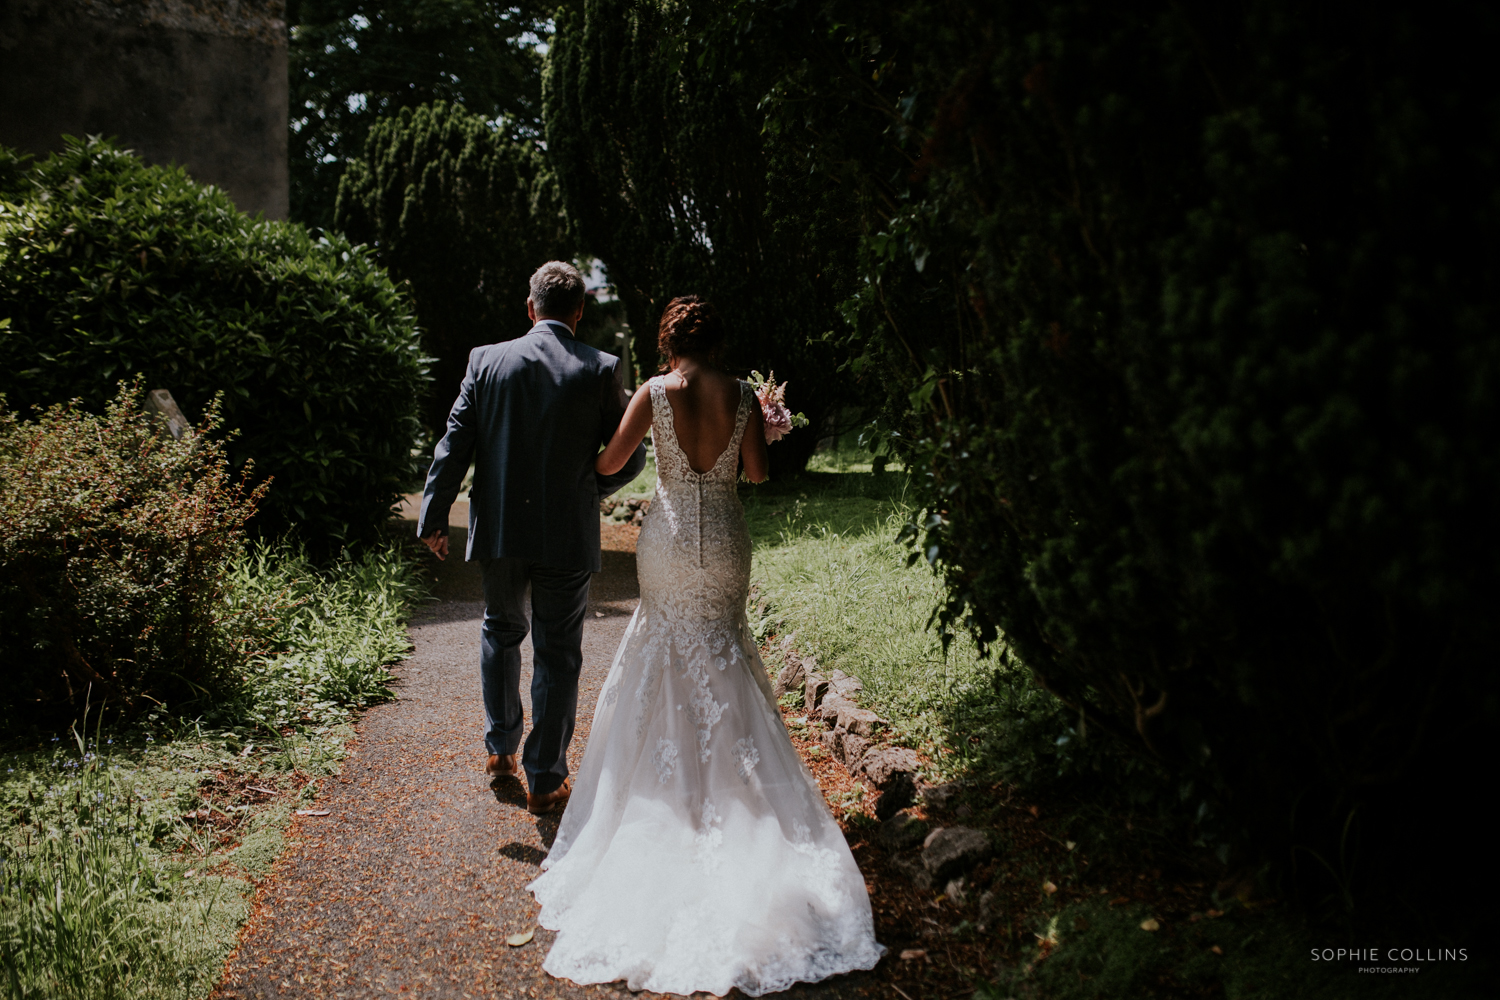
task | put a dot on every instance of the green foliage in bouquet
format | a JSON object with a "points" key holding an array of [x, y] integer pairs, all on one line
{"points": [[463, 214], [110, 268], [115, 542]]}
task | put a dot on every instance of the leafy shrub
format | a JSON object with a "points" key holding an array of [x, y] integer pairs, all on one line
{"points": [[110, 268], [115, 540], [463, 214]]}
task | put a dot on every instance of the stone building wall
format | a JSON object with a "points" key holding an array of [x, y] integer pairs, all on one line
{"points": [[201, 83]]}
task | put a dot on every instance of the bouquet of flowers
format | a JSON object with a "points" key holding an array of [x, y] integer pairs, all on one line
{"points": [[779, 420]]}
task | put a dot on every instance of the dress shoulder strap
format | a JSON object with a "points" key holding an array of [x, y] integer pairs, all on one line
{"points": [[731, 453]]}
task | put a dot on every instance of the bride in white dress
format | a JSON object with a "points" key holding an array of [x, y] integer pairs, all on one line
{"points": [[696, 852]]}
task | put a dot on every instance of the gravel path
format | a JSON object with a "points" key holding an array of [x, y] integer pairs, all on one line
{"points": [[410, 885]]}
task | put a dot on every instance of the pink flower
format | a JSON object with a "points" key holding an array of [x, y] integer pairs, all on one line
{"points": [[778, 420]]}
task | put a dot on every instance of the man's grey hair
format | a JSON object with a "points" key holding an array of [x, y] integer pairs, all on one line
{"points": [[556, 290]]}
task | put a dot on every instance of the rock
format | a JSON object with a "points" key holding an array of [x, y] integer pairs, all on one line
{"points": [[161, 403], [986, 909], [852, 748], [832, 705], [814, 687], [849, 687], [899, 794], [790, 678], [860, 721], [911, 867], [902, 831], [954, 890], [951, 851], [940, 797], [882, 764], [831, 741]]}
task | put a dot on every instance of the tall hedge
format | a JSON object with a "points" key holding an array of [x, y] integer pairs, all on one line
{"points": [[655, 132], [354, 62], [464, 214], [1184, 316], [1187, 317], [110, 268]]}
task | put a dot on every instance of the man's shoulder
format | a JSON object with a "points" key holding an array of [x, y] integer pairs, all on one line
{"points": [[557, 353], [590, 358]]}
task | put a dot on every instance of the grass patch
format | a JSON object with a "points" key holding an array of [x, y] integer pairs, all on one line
{"points": [[129, 850], [831, 579], [1082, 855], [643, 485]]}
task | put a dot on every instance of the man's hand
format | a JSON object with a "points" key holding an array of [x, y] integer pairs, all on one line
{"points": [[438, 543]]}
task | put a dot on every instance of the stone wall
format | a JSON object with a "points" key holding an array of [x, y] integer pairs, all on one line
{"points": [[201, 83]]}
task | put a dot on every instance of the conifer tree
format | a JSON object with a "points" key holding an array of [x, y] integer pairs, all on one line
{"points": [[463, 214]]}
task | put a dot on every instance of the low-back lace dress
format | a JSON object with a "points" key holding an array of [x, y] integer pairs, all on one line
{"points": [[697, 853]]}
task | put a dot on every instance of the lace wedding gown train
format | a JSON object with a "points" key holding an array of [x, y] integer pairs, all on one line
{"points": [[696, 852]]}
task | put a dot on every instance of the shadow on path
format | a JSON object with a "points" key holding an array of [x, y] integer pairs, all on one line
{"points": [[410, 885]]}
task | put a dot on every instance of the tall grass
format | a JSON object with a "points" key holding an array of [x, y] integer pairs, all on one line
{"points": [[88, 909], [335, 629], [106, 891]]}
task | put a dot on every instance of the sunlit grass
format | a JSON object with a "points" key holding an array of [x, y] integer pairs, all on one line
{"points": [[845, 455], [835, 583], [645, 484]]}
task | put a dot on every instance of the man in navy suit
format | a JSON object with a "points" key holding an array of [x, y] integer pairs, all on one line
{"points": [[532, 414]]}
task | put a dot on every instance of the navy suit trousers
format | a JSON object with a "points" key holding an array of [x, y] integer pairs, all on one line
{"points": [[559, 599]]}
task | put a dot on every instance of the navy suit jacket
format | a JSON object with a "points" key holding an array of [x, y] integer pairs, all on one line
{"points": [[532, 414]]}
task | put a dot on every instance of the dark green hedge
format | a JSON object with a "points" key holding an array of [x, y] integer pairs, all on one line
{"points": [[463, 214], [1186, 319], [657, 136], [110, 268], [1190, 315]]}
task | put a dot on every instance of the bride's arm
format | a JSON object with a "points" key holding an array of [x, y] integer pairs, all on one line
{"points": [[632, 430], [753, 447]]}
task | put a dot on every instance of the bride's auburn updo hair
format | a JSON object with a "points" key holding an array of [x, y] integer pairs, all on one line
{"points": [[690, 328]]}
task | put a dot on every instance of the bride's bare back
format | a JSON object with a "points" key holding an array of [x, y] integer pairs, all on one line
{"points": [[704, 403], [703, 413]]}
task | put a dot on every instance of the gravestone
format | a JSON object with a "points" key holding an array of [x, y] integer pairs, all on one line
{"points": [[161, 403]]}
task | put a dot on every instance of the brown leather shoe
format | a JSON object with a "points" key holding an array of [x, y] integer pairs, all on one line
{"points": [[548, 802], [502, 765]]}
